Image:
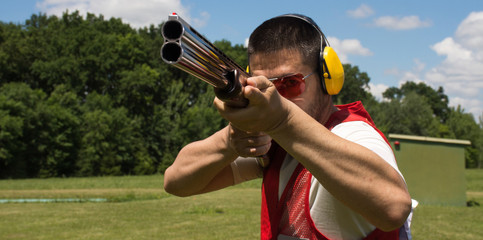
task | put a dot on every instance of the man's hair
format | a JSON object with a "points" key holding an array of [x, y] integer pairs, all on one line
{"points": [[286, 33]]}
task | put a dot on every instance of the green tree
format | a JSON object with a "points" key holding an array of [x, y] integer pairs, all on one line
{"points": [[463, 126], [356, 85], [11, 134], [480, 146], [436, 98], [22, 143], [411, 115], [111, 143], [39, 138], [14, 55], [237, 53], [163, 134]]}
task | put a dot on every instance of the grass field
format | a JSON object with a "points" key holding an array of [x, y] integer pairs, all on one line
{"points": [[138, 208]]}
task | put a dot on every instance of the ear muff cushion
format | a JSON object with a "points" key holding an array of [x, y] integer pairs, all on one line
{"points": [[333, 71]]}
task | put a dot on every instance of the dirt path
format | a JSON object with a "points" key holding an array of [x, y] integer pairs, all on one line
{"points": [[474, 194]]}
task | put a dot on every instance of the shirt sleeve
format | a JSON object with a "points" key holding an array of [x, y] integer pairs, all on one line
{"points": [[245, 169], [365, 135]]}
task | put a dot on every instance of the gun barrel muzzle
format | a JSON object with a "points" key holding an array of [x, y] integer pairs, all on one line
{"points": [[172, 30], [189, 51]]}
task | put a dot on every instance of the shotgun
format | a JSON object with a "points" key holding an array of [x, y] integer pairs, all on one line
{"points": [[189, 51]]}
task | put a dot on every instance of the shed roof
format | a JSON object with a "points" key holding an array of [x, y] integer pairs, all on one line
{"points": [[429, 139]]}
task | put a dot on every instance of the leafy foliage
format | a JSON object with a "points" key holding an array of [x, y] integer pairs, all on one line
{"points": [[437, 100], [91, 96], [88, 96], [355, 85]]}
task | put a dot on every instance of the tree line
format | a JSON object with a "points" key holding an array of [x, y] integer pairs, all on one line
{"points": [[89, 96]]}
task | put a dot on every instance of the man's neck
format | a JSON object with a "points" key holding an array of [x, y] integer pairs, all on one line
{"points": [[327, 111]]}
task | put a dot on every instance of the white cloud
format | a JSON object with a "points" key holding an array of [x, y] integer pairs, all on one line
{"points": [[469, 32], [469, 105], [413, 75], [201, 22], [467, 90], [461, 72], [401, 23], [362, 11], [418, 65], [461, 64], [347, 47], [377, 89], [137, 13], [452, 50], [462, 69]]}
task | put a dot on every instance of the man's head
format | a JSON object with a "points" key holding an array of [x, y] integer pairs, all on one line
{"points": [[288, 45], [287, 33]]}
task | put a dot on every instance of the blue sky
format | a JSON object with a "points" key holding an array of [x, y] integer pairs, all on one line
{"points": [[436, 42]]}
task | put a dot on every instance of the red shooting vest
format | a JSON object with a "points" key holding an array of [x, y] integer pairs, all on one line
{"points": [[291, 214]]}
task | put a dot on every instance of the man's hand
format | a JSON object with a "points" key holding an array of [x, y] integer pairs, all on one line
{"points": [[248, 144], [266, 110]]}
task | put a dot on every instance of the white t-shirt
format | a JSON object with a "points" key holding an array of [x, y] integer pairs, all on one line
{"points": [[330, 216]]}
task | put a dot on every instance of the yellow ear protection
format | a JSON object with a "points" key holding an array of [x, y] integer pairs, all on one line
{"points": [[331, 70]]}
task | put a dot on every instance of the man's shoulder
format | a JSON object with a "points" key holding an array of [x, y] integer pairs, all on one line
{"points": [[346, 129]]}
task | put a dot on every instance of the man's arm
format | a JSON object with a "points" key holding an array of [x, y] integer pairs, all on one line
{"points": [[355, 175], [208, 165], [200, 165], [350, 172]]}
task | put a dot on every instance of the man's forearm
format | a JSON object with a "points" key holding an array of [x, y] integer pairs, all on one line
{"points": [[201, 166]]}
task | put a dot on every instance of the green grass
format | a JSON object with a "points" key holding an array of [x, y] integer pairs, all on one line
{"points": [[83, 183], [138, 208], [443, 222], [474, 180], [446, 222]]}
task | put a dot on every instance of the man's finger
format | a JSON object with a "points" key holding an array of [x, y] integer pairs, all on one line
{"points": [[218, 103], [259, 82], [256, 87]]}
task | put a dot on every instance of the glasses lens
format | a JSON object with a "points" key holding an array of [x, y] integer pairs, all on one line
{"points": [[290, 86]]}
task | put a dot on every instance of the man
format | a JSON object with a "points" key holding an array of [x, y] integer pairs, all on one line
{"points": [[332, 174]]}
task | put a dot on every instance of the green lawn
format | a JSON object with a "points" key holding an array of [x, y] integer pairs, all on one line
{"points": [[138, 208]]}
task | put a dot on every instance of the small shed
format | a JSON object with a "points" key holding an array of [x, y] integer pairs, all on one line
{"points": [[434, 168]]}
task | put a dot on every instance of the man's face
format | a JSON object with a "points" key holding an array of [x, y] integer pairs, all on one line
{"points": [[288, 62]]}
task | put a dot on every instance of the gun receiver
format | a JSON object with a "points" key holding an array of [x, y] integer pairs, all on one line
{"points": [[189, 51]]}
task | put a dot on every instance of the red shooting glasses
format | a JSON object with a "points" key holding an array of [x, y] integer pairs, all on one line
{"points": [[290, 86]]}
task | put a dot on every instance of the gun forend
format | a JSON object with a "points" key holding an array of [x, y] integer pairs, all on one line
{"points": [[189, 51]]}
